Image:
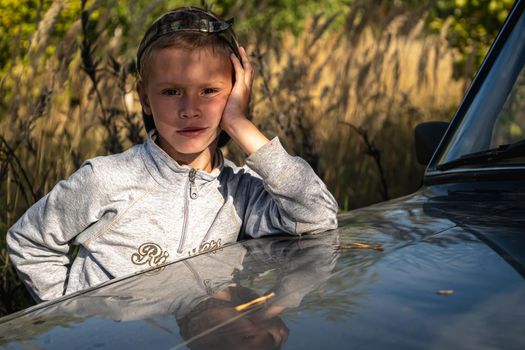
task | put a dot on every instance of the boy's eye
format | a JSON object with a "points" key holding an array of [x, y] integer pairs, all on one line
{"points": [[171, 92], [207, 91]]}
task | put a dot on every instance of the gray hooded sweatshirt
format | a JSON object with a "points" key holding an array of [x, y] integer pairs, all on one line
{"points": [[140, 209]]}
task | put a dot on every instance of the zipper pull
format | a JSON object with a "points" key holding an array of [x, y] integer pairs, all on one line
{"points": [[193, 187]]}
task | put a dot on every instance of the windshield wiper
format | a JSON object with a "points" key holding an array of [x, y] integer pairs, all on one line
{"points": [[503, 152]]}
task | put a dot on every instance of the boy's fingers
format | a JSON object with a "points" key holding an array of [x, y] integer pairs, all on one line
{"points": [[248, 69], [239, 71]]}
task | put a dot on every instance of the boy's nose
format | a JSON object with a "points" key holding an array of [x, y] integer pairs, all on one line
{"points": [[189, 108]]}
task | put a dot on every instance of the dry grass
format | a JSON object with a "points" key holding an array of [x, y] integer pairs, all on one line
{"points": [[349, 106]]}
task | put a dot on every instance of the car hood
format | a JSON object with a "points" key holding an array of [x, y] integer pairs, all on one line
{"points": [[443, 267]]}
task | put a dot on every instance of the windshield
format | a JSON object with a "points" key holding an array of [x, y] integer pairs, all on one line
{"points": [[496, 116], [510, 122]]}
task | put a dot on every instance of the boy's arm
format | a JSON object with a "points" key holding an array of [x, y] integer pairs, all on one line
{"points": [[39, 241], [291, 197]]}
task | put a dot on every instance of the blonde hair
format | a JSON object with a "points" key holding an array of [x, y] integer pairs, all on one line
{"points": [[183, 40]]}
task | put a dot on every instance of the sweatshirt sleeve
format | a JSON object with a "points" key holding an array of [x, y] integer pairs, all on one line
{"points": [[289, 197], [38, 242]]}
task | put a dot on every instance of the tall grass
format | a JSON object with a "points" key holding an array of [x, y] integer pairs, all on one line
{"points": [[348, 104], [345, 99]]}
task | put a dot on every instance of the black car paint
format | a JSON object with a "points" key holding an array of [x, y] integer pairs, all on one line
{"points": [[439, 238]]}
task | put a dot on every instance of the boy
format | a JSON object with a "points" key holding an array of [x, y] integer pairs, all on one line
{"points": [[174, 196]]}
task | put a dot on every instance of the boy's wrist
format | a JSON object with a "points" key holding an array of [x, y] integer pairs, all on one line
{"points": [[229, 123], [245, 134]]}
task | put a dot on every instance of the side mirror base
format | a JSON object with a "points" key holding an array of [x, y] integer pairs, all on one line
{"points": [[427, 137]]}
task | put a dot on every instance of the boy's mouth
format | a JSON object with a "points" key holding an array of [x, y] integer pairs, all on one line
{"points": [[191, 131]]}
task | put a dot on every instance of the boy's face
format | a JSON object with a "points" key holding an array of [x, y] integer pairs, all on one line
{"points": [[186, 92], [221, 327]]}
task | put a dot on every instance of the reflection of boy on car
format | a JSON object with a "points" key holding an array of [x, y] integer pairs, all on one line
{"points": [[174, 196], [299, 266], [215, 324], [203, 293]]}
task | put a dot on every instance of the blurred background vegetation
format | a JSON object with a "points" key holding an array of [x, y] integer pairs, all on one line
{"points": [[342, 82]]}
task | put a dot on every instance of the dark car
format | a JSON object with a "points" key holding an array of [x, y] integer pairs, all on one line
{"points": [[441, 268]]}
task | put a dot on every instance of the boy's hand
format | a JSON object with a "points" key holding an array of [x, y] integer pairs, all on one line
{"points": [[234, 121], [237, 105]]}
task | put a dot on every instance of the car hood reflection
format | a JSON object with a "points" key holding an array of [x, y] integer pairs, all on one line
{"points": [[430, 270], [190, 303]]}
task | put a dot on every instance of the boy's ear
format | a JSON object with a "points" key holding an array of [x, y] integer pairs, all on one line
{"points": [[144, 101]]}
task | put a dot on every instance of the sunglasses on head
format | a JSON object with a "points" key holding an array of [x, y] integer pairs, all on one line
{"points": [[188, 19]]}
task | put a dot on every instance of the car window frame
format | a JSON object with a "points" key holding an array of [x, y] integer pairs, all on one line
{"points": [[432, 174]]}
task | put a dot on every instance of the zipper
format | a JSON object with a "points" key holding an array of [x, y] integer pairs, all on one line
{"points": [[192, 188]]}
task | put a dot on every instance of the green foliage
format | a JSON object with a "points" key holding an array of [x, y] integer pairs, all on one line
{"points": [[17, 24], [19, 21], [473, 25], [279, 15]]}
